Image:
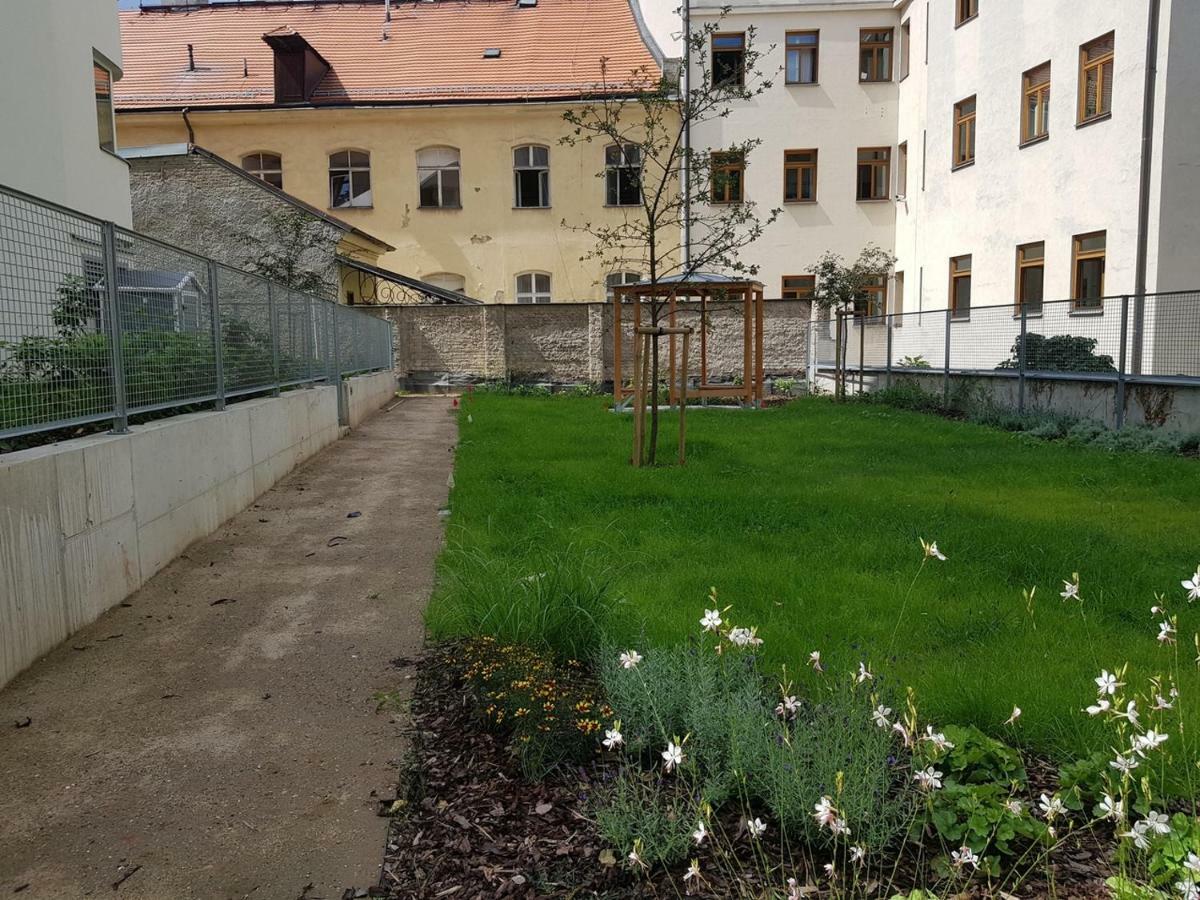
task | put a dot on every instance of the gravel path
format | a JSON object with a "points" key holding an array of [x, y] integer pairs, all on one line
{"points": [[225, 733]]}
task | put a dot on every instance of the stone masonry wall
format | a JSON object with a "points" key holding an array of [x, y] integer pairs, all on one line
{"points": [[572, 342]]}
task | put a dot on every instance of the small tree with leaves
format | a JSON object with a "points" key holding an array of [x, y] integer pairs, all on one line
{"points": [[277, 251], [667, 223], [844, 287]]}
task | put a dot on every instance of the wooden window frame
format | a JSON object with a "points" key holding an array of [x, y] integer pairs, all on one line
{"points": [[816, 55], [1041, 93], [957, 275], [1078, 255], [739, 79], [959, 159], [885, 163], [799, 168], [1022, 264], [106, 116], [874, 304], [796, 292], [723, 162], [965, 11], [1098, 64], [878, 50]]}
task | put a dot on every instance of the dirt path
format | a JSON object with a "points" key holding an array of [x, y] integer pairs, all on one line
{"points": [[220, 731]]}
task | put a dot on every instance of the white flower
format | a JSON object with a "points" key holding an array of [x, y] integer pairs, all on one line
{"points": [[931, 550], [1138, 836], [814, 660], [757, 828], [1070, 589], [899, 728], [1100, 706], [793, 889], [712, 620], [1157, 822], [613, 738], [635, 855], [630, 658], [1051, 806], [1014, 806], [965, 857], [1112, 809], [1151, 740], [858, 853], [1124, 764], [937, 739], [881, 715], [863, 673], [830, 872], [1187, 889], [1166, 633], [788, 707], [929, 779], [672, 756], [744, 637], [1193, 586], [700, 833], [693, 871], [1016, 714], [1130, 713], [825, 813], [839, 827], [1161, 702], [1107, 683], [1193, 863]]}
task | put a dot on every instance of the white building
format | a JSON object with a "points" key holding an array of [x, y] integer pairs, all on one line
{"points": [[58, 59], [1013, 135]]}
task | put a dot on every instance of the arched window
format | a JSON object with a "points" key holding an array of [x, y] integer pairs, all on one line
{"points": [[623, 175], [267, 166], [533, 287], [447, 281], [438, 173], [616, 279], [349, 179], [531, 174]]}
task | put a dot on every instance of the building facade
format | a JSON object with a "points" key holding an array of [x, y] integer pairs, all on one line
{"points": [[61, 59], [434, 126]]}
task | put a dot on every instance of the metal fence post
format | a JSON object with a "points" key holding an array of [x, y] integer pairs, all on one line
{"points": [[888, 362], [218, 350], [1122, 363], [946, 374], [336, 359], [310, 338], [108, 237], [862, 353], [274, 339], [1021, 359]]}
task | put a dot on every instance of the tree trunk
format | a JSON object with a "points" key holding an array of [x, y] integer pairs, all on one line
{"points": [[653, 450]]}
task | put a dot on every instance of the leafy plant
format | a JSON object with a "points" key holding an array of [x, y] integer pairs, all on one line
{"points": [[914, 362], [979, 816], [1058, 353], [639, 810], [842, 286], [976, 758]]}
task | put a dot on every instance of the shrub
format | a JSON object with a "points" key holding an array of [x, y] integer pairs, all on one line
{"points": [[976, 758], [979, 816], [643, 811], [1059, 353]]}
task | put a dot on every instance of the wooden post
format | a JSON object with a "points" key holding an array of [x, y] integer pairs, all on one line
{"points": [[683, 386], [671, 394], [758, 347], [747, 353], [703, 339], [636, 458], [617, 392]]}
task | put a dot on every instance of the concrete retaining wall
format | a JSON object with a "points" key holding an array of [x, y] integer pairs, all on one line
{"points": [[366, 393], [84, 523]]}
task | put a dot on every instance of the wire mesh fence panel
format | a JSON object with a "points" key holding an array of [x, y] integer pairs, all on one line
{"points": [[919, 340], [165, 307], [1170, 335], [985, 341], [247, 351], [55, 353], [1069, 340]]}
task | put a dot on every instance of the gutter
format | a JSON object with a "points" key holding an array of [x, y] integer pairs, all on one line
{"points": [[1143, 214]]}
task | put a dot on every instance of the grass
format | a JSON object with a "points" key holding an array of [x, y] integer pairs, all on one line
{"points": [[807, 519]]}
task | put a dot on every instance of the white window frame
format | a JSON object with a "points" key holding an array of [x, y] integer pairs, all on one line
{"points": [[533, 294], [529, 164], [363, 200], [99, 62], [619, 279], [441, 173], [259, 168], [613, 170]]}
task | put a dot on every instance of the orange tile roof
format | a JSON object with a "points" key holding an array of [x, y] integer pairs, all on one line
{"points": [[433, 51]]}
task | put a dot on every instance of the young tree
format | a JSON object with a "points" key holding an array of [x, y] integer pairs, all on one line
{"points": [[841, 287], [683, 209]]}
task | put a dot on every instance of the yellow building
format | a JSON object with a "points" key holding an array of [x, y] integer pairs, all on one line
{"points": [[433, 125]]}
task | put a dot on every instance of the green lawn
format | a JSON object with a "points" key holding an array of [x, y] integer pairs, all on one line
{"points": [[807, 520]]}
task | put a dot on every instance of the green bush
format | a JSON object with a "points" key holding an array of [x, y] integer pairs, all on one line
{"points": [[1058, 353], [642, 810], [976, 758], [978, 816]]}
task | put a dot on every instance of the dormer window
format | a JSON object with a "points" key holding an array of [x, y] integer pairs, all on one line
{"points": [[299, 68]]}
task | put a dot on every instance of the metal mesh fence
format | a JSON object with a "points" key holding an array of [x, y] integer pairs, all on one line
{"points": [[99, 323]]}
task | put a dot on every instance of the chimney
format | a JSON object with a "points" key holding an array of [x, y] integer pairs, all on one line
{"points": [[191, 59]]}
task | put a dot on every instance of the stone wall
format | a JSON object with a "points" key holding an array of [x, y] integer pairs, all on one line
{"points": [[198, 204], [572, 342]]}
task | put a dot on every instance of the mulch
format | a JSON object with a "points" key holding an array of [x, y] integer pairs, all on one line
{"points": [[466, 825]]}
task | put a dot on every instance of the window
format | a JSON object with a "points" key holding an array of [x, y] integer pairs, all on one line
{"points": [[267, 166], [728, 174], [873, 302], [533, 287], [898, 302], [803, 48], [905, 47], [873, 172], [1095, 78], [623, 175], [729, 60], [105, 123], [438, 175], [617, 279], [964, 133], [799, 176], [902, 170], [447, 281], [1035, 114], [965, 10], [798, 287], [875, 54], [1087, 276], [960, 287], [349, 179], [1031, 271], [531, 174]]}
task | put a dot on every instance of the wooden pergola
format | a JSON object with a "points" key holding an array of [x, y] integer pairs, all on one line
{"points": [[691, 296]]}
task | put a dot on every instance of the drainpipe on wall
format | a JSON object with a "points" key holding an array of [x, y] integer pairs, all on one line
{"points": [[188, 123], [1143, 221]]}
